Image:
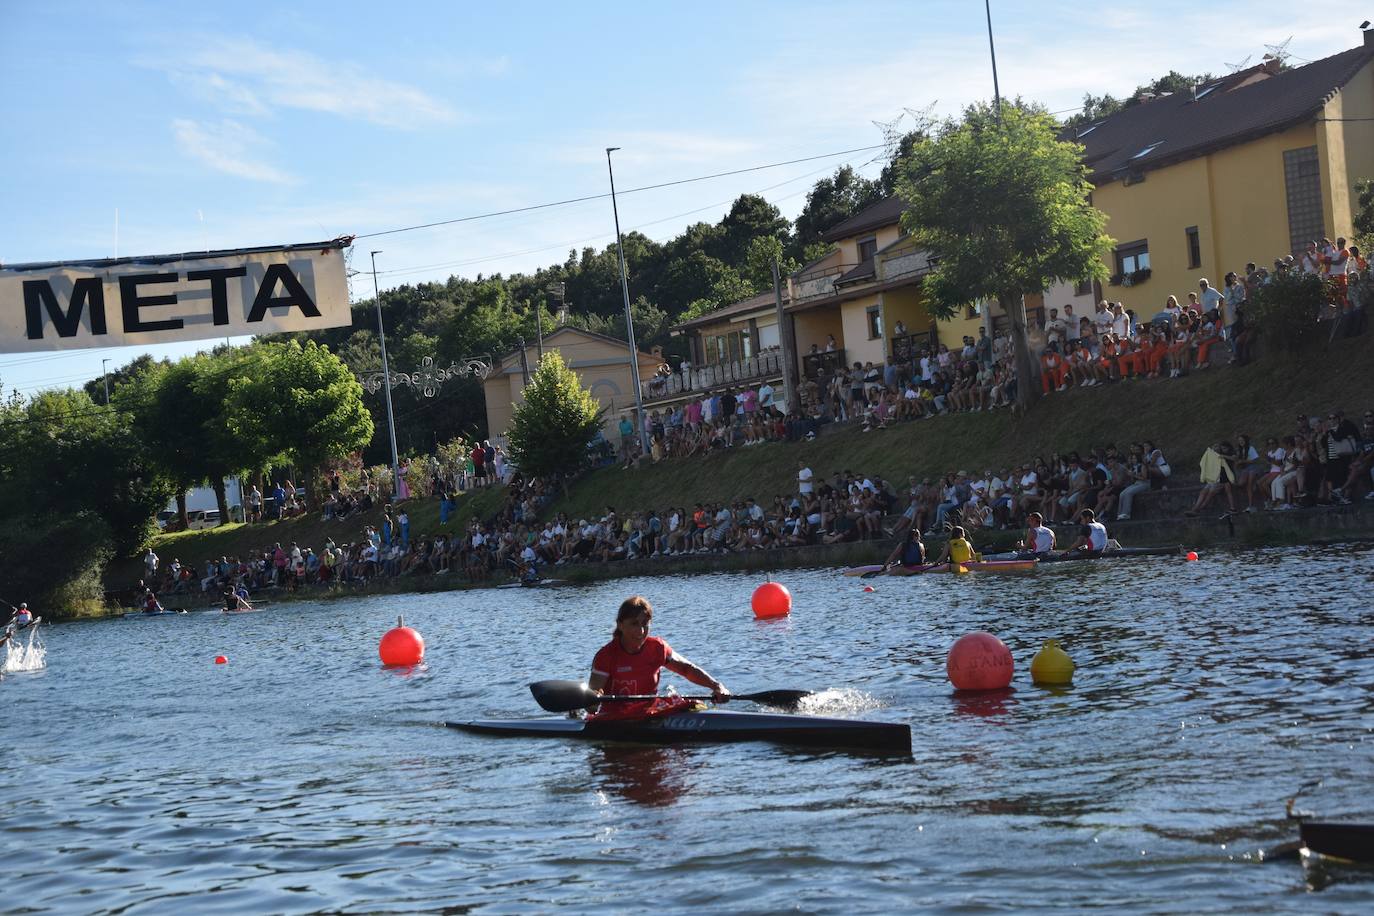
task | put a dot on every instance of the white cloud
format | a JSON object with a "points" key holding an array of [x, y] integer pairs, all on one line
{"points": [[246, 77], [227, 147]]}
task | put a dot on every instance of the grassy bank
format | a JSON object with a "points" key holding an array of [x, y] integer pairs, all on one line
{"points": [[1181, 416], [195, 547]]}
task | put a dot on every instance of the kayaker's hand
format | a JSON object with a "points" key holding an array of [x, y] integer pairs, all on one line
{"points": [[721, 693]]}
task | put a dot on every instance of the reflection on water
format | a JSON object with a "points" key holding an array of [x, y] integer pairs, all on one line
{"points": [[303, 777]]}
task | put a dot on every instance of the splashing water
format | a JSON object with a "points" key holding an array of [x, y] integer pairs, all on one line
{"points": [[838, 701], [25, 652]]}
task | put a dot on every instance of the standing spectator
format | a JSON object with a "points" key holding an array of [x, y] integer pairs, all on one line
{"points": [[804, 480], [479, 465], [278, 500], [255, 503], [150, 564]]}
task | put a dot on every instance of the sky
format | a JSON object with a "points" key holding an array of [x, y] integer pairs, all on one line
{"points": [[144, 128]]}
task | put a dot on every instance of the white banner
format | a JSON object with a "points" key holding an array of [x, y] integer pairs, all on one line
{"points": [[170, 298]]}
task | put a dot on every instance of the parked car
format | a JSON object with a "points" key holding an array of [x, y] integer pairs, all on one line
{"points": [[202, 518], [165, 516]]}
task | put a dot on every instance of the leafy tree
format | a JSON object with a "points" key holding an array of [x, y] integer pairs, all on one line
{"points": [[763, 253], [298, 403], [56, 560], [1006, 208], [751, 217], [830, 202], [1285, 310], [700, 276], [126, 373], [1364, 216], [1097, 107], [552, 429]]}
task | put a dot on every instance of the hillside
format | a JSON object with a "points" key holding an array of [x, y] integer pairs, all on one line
{"points": [[1181, 416]]}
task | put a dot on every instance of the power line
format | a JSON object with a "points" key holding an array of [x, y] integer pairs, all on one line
{"points": [[421, 268], [650, 187]]}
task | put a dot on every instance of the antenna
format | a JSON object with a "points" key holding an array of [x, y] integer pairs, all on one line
{"points": [[1279, 52], [1239, 65]]}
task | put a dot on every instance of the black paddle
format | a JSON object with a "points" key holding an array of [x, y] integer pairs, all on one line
{"points": [[565, 696]]}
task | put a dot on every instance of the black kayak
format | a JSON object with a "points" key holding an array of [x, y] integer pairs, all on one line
{"points": [[711, 726], [1354, 842]]}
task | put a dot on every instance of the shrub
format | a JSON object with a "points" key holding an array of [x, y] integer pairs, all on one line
{"points": [[1285, 311]]}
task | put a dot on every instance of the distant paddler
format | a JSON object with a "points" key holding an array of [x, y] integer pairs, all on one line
{"points": [[150, 603], [630, 663], [910, 552], [19, 619], [235, 600], [1092, 538], [958, 550], [1039, 539]]}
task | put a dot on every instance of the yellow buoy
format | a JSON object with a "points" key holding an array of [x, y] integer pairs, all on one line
{"points": [[1051, 665]]}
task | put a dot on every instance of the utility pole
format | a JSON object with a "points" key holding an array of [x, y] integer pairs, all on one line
{"points": [[105, 375], [629, 323], [386, 385], [992, 51], [785, 339]]}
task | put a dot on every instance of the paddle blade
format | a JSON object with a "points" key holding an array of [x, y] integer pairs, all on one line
{"points": [[782, 699], [564, 696]]}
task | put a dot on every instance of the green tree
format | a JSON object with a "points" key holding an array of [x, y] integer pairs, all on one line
{"points": [[1285, 310], [552, 429], [763, 253], [297, 403], [830, 202], [1097, 107], [1005, 206], [1364, 216]]}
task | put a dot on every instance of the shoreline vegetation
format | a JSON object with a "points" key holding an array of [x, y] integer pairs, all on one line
{"points": [[1184, 416]]}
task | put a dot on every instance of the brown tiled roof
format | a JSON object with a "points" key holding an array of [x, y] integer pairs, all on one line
{"points": [[1185, 128], [752, 304], [884, 213]]}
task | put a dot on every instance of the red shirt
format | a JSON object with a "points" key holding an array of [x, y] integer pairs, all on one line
{"points": [[630, 673]]}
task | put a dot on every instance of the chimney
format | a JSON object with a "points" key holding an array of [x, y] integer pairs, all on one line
{"points": [[1272, 63], [1369, 38]]}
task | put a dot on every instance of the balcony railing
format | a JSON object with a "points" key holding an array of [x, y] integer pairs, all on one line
{"points": [[767, 364], [824, 363]]}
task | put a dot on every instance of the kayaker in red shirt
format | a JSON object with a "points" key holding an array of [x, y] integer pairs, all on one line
{"points": [[630, 664]]}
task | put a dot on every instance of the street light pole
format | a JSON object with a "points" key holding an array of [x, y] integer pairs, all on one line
{"points": [[629, 323], [992, 51], [105, 375], [386, 385]]}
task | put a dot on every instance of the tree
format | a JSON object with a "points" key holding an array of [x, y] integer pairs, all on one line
{"points": [[1005, 206], [830, 202], [298, 404], [550, 432], [1097, 107], [1364, 216]]}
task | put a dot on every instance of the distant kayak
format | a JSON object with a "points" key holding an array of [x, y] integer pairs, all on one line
{"points": [[1008, 565], [165, 612], [1118, 553], [533, 584]]}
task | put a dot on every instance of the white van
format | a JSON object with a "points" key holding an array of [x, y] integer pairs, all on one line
{"points": [[202, 518]]}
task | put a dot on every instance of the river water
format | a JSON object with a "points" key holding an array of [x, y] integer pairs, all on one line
{"points": [[137, 776]]}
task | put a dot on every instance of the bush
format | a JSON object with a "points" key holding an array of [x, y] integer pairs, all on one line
{"points": [[55, 563], [1285, 311]]}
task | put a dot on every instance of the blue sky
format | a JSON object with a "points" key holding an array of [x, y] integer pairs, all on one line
{"points": [[257, 124]]}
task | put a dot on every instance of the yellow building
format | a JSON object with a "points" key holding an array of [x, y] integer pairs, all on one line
{"points": [[865, 299], [1245, 168], [601, 363]]}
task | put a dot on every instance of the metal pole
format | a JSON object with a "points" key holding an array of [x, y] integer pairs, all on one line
{"points": [[789, 385], [386, 385], [105, 374], [629, 324], [992, 50]]}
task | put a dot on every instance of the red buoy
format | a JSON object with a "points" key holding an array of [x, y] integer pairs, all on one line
{"points": [[771, 599], [869, 588], [1192, 556], [979, 661], [221, 659], [401, 646]]}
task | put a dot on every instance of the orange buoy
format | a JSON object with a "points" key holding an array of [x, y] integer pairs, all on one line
{"points": [[979, 661], [771, 599], [1192, 556], [401, 645], [221, 659]]}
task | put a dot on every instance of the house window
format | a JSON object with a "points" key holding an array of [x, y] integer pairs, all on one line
{"points": [[973, 310], [1303, 182], [1133, 257], [1083, 288], [875, 322], [867, 248], [1194, 248]]}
